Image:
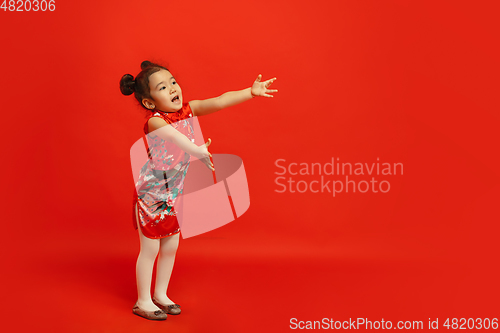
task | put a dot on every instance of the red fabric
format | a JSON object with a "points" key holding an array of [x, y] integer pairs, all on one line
{"points": [[171, 117]]}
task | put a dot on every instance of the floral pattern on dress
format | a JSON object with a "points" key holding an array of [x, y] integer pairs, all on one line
{"points": [[161, 179]]}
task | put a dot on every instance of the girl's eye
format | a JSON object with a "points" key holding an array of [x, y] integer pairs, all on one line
{"points": [[162, 88], [174, 82]]}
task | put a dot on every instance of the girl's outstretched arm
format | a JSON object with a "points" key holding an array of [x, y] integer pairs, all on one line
{"points": [[230, 98]]}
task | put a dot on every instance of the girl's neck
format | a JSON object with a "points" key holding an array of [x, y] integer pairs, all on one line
{"points": [[156, 110]]}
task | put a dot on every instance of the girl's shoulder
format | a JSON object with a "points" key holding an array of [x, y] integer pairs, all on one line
{"points": [[151, 116]]}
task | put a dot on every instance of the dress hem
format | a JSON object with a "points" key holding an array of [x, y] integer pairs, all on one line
{"points": [[168, 235]]}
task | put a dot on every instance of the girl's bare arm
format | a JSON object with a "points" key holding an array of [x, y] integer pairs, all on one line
{"points": [[230, 98], [170, 134]]}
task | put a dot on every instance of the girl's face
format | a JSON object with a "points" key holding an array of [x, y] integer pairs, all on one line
{"points": [[166, 93]]}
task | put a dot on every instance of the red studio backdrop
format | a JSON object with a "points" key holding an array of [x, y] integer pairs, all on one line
{"points": [[403, 93]]}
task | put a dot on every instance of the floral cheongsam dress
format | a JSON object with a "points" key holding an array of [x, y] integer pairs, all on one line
{"points": [[161, 179]]}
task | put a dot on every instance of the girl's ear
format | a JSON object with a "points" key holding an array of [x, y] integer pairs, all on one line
{"points": [[148, 103]]}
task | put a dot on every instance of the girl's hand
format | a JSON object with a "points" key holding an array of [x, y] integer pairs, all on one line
{"points": [[204, 155], [260, 88]]}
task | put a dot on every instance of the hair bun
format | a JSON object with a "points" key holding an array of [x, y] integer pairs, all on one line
{"points": [[146, 64], [127, 84]]}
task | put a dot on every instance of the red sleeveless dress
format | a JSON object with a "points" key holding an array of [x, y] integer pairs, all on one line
{"points": [[161, 179]]}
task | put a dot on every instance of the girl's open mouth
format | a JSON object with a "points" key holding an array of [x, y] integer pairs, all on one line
{"points": [[175, 99]]}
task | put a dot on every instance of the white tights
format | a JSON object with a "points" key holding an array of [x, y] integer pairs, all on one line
{"points": [[166, 247]]}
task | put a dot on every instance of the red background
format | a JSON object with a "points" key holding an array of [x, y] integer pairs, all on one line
{"points": [[413, 83]]}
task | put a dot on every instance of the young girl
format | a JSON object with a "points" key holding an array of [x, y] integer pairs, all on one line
{"points": [[160, 179]]}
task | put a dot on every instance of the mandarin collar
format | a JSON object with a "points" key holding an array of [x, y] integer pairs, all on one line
{"points": [[166, 113]]}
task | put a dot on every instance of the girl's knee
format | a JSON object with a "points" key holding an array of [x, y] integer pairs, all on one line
{"points": [[168, 250], [149, 247], [169, 245]]}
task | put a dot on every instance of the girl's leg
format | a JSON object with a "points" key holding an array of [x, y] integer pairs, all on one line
{"points": [[144, 268], [168, 249]]}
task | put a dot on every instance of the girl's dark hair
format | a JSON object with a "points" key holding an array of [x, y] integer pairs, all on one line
{"points": [[140, 85]]}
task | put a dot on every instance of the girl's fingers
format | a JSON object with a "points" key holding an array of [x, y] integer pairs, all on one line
{"points": [[208, 142], [258, 78], [210, 165]]}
